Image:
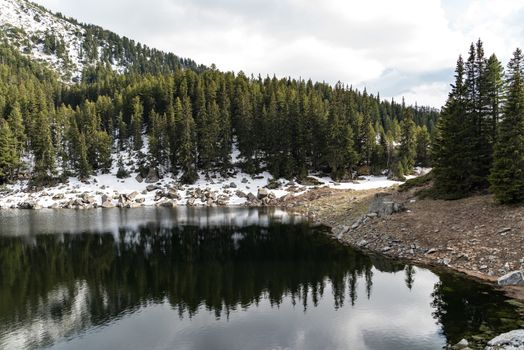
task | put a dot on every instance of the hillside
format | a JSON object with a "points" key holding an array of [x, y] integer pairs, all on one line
{"points": [[79, 104], [68, 47]]}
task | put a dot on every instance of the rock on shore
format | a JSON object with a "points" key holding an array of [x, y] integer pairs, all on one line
{"points": [[514, 278], [513, 340]]}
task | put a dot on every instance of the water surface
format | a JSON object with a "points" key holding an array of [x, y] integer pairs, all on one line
{"points": [[221, 279]]}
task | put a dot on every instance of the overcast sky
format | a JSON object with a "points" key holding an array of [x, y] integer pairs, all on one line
{"points": [[398, 48]]}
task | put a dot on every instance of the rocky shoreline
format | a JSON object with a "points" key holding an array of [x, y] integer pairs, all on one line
{"points": [[471, 236], [89, 194], [234, 189]]}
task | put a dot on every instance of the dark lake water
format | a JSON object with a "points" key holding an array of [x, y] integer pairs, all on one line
{"points": [[221, 279]]}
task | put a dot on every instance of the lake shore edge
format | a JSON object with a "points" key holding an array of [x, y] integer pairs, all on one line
{"points": [[472, 236]]}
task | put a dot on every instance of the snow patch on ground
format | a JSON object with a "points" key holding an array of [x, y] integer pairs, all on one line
{"points": [[235, 188], [231, 190]]}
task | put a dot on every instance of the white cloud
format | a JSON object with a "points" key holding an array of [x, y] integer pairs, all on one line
{"points": [[432, 94], [356, 42]]}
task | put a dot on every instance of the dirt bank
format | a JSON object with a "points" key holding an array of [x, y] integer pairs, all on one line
{"points": [[472, 236]]}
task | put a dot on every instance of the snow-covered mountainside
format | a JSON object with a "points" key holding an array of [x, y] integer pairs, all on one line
{"points": [[67, 46], [41, 34]]}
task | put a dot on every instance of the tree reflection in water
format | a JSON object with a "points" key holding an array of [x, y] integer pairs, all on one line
{"points": [[88, 279]]}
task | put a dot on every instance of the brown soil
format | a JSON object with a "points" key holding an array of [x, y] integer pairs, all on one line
{"points": [[472, 236]]}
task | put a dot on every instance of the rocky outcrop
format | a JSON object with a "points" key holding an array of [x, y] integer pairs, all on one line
{"points": [[262, 193], [152, 176], [30, 205], [461, 345], [384, 205], [514, 278], [166, 203], [108, 203], [151, 188], [513, 340]]}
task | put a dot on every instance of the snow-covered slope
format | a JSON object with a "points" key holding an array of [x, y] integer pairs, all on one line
{"points": [[26, 26]]}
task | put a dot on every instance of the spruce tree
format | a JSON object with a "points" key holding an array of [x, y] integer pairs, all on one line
{"points": [[507, 173], [187, 156], [407, 149], [16, 124], [103, 151], [43, 149], [8, 152], [83, 166], [423, 141], [224, 133], [494, 91], [451, 162], [136, 123], [155, 139]]}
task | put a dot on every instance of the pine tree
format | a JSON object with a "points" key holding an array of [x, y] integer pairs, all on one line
{"points": [[507, 173], [155, 139], [494, 91], [136, 123], [340, 152], [451, 162], [479, 149], [103, 151], [224, 133], [122, 131], [407, 149], [16, 124], [84, 168], [187, 156], [369, 143], [423, 140], [8, 152], [172, 118], [42, 146]]}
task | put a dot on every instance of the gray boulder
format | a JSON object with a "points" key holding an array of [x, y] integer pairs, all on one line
{"points": [[384, 205], [151, 188], [108, 204], [263, 193], [132, 195], [241, 194], [152, 176], [29, 205], [514, 278], [513, 340]]}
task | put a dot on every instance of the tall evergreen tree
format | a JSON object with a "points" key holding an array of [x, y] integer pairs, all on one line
{"points": [[408, 146], [84, 168], [136, 123], [8, 152], [16, 124], [423, 143], [186, 137], [507, 174], [451, 162], [494, 91], [42, 146]]}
